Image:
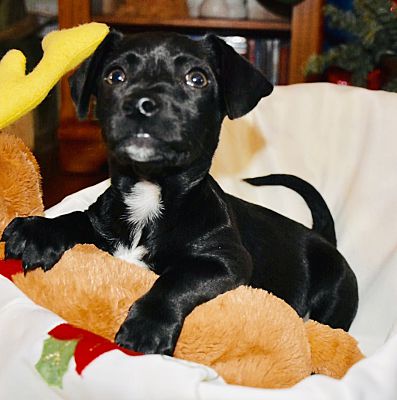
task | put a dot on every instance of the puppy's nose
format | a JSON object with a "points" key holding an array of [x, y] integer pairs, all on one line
{"points": [[147, 106]]}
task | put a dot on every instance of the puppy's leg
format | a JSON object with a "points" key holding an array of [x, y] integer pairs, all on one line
{"points": [[155, 321], [334, 293], [40, 242]]}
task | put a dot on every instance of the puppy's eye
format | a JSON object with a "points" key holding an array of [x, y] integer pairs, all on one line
{"points": [[196, 78], [115, 76]]}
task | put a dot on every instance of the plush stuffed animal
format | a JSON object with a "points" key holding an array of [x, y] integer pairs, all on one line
{"points": [[249, 336], [21, 196], [63, 51]]}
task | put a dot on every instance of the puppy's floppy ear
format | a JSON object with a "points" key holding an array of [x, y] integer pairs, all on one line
{"points": [[83, 82], [242, 84]]}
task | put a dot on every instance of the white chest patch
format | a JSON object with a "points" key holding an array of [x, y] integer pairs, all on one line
{"points": [[144, 205], [132, 254]]}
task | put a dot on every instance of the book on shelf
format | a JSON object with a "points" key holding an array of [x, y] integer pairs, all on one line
{"points": [[269, 55]]}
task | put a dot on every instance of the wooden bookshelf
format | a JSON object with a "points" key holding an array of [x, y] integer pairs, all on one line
{"points": [[304, 30], [193, 24]]}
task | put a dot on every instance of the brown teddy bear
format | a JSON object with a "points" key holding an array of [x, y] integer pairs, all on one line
{"points": [[249, 336]]}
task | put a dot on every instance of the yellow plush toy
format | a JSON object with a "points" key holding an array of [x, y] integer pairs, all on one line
{"points": [[247, 335], [63, 51]]}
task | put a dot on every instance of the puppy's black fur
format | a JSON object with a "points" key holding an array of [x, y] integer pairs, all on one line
{"points": [[161, 99]]}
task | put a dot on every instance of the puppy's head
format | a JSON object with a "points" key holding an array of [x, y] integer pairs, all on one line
{"points": [[161, 97]]}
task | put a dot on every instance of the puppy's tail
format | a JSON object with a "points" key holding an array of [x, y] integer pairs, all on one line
{"points": [[323, 222]]}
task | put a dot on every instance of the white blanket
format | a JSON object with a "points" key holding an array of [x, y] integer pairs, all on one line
{"points": [[343, 141]]}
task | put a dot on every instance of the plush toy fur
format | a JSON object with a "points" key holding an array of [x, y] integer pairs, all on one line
{"points": [[63, 50], [249, 336], [20, 182]]}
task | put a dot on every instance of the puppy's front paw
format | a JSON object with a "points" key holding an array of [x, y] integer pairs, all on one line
{"points": [[34, 240], [149, 334]]}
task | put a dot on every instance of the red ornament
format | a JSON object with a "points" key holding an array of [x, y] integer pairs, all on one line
{"points": [[374, 79], [339, 76]]}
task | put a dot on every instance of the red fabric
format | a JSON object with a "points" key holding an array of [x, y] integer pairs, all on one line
{"points": [[8, 268], [89, 346]]}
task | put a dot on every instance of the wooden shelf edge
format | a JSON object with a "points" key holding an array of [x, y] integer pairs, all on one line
{"points": [[306, 38], [196, 23]]}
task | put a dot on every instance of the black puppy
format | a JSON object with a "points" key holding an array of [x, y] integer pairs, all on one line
{"points": [[161, 99]]}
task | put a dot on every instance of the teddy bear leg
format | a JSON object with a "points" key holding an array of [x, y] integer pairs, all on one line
{"points": [[333, 351]]}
